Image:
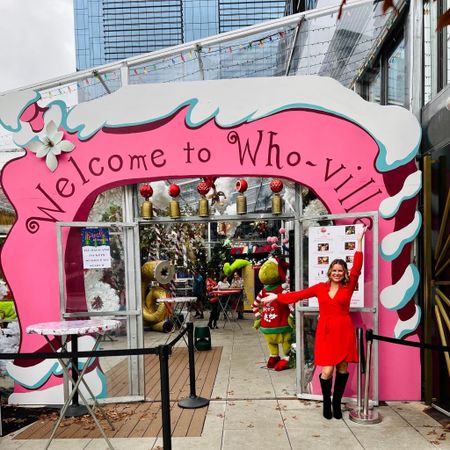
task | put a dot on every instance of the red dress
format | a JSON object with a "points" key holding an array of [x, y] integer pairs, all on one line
{"points": [[335, 335]]}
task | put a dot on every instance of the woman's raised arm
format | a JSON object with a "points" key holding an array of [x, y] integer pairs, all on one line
{"points": [[359, 238]]}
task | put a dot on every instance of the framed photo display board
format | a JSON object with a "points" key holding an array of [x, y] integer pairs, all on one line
{"points": [[327, 244]]}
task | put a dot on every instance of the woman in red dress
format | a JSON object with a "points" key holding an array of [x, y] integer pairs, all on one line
{"points": [[335, 342]]}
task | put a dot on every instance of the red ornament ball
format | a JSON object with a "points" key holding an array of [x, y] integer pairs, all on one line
{"points": [[241, 185], [203, 188], [276, 185], [146, 191], [174, 190], [210, 181]]}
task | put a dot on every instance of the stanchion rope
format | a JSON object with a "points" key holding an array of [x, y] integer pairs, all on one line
{"points": [[91, 353], [371, 336]]}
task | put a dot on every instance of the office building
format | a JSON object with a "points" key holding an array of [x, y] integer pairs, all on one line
{"points": [[110, 30]]}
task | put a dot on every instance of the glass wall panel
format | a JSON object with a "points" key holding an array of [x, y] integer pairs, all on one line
{"points": [[396, 71], [98, 281], [429, 39], [436, 50], [446, 46], [200, 19], [374, 89]]}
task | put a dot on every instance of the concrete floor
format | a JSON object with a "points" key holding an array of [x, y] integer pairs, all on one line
{"points": [[254, 407]]}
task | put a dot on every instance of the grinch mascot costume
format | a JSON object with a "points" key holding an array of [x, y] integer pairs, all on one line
{"points": [[274, 319]]}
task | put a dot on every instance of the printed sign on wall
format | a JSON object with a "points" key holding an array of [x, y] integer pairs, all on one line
{"points": [[96, 248], [327, 244]]}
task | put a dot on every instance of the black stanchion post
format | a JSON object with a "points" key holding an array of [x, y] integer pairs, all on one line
{"points": [[164, 351], [360, 370], [361, 361], [369, 340], [366, 416], [192, 402]]}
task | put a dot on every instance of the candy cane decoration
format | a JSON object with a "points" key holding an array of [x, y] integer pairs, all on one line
{"points": [[158, 241], [177, 253], [151, 256]]}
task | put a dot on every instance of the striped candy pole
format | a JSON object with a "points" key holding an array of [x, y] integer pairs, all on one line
{"points": [[177, 253], [152, 245], [158, 241]]}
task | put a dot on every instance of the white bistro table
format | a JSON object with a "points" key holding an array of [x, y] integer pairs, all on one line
{"points": [[74, 329], [225, 302]]}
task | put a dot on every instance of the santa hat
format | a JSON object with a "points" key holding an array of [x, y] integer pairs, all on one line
{"points": [[282, 267]]}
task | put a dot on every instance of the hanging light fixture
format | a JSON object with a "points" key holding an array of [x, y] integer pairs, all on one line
{"points": [[147, 206], [241, 201], [203, 205], [276, 187], [174, 206]]}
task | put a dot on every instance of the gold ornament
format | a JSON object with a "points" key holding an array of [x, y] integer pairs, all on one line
{"points": [[277, 204], [174, 209], [203, 207], [241, 204], [147, 209]]}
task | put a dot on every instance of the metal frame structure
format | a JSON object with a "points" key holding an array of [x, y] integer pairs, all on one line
{"points": [[301, 311], [435, 281], [130, 224], [124, 66], [133, 314]]}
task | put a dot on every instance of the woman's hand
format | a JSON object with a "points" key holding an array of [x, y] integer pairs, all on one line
{"points": [[361, 234], [269, 298], [359, 238]]}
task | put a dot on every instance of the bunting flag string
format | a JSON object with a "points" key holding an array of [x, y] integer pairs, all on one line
{"points": [[190, 55], [74, 87], [254, 45], [172, 61], [59, 91]]}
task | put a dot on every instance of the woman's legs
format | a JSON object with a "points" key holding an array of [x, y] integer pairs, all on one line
{"points": [[240, 308], [340, 381], [342, 367], [212, 323], [212, 315], [326, 380], [216, 314], [198, 307], [327, 372], [237, 305]]}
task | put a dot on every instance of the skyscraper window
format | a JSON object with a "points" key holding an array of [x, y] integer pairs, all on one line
{"points": [[111, 30]]}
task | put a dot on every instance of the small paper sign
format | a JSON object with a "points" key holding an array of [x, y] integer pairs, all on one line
{"points": [[96, 248]]}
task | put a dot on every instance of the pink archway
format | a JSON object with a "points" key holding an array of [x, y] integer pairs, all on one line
{"points": [[326, 150]]}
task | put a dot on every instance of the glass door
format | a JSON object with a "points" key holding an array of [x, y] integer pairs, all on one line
{"points": [[321, 239], [99, 275]]}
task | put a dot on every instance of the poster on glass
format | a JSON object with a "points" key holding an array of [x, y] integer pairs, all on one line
{"points": [[326, 244]]}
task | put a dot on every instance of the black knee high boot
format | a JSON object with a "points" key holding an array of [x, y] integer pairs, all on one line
{"points": [[339, 386], [326, 391]]}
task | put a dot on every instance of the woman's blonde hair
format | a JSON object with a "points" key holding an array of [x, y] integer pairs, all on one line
{"points": [[344, 265]]}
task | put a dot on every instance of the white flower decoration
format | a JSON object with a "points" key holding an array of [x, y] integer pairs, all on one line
{"points": [[313, 208], [51, 145], [100, 296], [3, 289]]}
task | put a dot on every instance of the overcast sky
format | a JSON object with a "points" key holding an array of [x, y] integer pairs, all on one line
{"points": [[36, 41]]}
